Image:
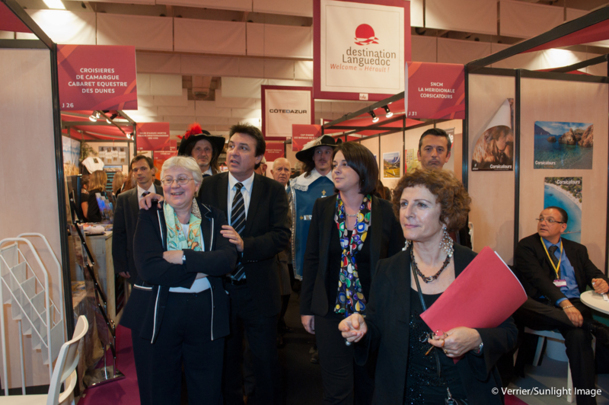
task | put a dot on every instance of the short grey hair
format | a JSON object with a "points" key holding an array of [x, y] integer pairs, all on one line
{"points": [[185, 162]]}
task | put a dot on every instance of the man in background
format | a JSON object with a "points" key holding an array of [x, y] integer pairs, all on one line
{"points": [[203, 147]]}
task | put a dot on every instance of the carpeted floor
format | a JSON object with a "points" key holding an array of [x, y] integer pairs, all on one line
{"points": [[301, 379]]}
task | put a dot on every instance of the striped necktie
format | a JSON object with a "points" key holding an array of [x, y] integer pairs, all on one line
{"points": [[238, 223]]}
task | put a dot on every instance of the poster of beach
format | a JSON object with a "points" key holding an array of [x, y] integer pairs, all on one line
{"points": [[563, 145], [566, 193], [391, 165]]}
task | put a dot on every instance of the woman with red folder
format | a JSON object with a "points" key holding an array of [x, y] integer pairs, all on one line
{"points": [[416, 365]]}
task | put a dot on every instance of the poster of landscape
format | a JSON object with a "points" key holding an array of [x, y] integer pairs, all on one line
{"points": [[566, 193], [563, 145], [391, 165]]}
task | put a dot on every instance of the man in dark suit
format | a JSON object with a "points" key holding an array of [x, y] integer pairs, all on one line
{"points": [[257, 209], [126, 214], [554, 272], [125, 221]]}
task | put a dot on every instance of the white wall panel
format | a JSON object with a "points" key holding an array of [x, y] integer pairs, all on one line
{"points": [[255, 39], [251, 67], [209, 65], [188, 110], [157, 62], [206, 36], [143, 84], [278, 69], [303, 70], [7, 35], [424, 49], [166, 85], [241, 87], [463, 15], [181, 100], [288, 41], [241, 5], [149, 33], [246, 113], [209, 109], [525, 20], [302, 8], [458, 51], [66, 27], [416, 13], [236, 102]]}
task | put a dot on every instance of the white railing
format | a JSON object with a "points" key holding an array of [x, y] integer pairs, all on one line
{"points": [[30, 302]]}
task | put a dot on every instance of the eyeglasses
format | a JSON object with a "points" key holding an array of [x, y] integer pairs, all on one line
{"points": [[549, 220], [168, 181]]}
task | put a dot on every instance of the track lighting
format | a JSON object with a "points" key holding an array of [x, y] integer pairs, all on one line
{"points": [[374, 117], [388, 113]]}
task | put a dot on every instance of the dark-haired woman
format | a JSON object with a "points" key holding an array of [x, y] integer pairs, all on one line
{"points": [[349, 233], [430, 204]]}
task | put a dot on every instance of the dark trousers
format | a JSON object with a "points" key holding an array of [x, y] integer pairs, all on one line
{"points": [[142, 352], [185, 338], [344, 381], [260, 332], [578, 341]]}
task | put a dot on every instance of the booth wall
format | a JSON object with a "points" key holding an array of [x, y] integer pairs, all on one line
{"points": [[566, 101], [492, 193], [29, 183], [373, 145]]}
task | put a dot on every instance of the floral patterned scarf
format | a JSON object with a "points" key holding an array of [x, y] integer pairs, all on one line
{"points": [[350, 297], [176, 240]]}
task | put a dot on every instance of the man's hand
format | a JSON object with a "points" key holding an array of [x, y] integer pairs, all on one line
{"points": [[233, 237], [124, 274], [600, 285], [146, 202], [573, 313], [353, 328], [308, 321], [173, 256]]}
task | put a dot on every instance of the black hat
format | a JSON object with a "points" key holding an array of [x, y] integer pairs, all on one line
{"points": [[306, 154], [194, 135]]}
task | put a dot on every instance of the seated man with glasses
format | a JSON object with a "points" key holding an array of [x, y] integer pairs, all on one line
{"points": [[554, 272]]}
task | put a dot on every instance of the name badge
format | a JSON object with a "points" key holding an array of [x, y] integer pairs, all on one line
{"points": [[560, 283]]}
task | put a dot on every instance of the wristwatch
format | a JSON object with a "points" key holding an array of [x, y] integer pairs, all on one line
{"points": [[183, 258], [478, 350]]}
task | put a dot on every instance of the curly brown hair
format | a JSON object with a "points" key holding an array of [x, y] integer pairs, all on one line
{"points": [[450, 193]]}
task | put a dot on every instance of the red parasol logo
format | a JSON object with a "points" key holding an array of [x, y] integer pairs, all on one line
{"points": [[364, 35]]}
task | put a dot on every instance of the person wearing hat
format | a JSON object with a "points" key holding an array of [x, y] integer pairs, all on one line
{"points": [[315, 182], [204, 147]]}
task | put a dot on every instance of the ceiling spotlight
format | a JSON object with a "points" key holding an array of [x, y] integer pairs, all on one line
{"points": [[92, 118], [388, 114], [374, 117]]}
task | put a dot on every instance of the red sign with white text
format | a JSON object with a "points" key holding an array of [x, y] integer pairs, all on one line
{"points": [[160, 156], [274, 150], [435, 91], [153, 136], [301, 134], [96, 77]]}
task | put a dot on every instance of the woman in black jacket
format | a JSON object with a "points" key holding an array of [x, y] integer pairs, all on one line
{"points": [[180, 255], [349, 233], [416, 365]]}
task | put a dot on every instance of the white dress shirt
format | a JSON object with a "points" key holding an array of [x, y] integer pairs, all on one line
{"points": [[246, 191], [141, 191]]}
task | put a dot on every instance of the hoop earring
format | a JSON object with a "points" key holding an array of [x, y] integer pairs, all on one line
{"points": [[447, 243]]}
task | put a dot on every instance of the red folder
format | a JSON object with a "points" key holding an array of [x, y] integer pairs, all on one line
{"points": [[484, 295]]}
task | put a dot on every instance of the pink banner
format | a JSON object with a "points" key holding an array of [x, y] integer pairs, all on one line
{"points": [[154, 136], [435, 91], [160, 156], [301, 134], [96, 77], [274, 150]]}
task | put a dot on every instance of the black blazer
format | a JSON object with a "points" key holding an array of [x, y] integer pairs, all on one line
{"points": [[266, 234], [157, 275], [386, 239], [125, 220], [534, 270], [388, 317]]}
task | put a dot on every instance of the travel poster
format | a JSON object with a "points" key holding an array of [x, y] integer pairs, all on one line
{"points": [[563, 145], [566, 193], [494, 148], [391, 165]]}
